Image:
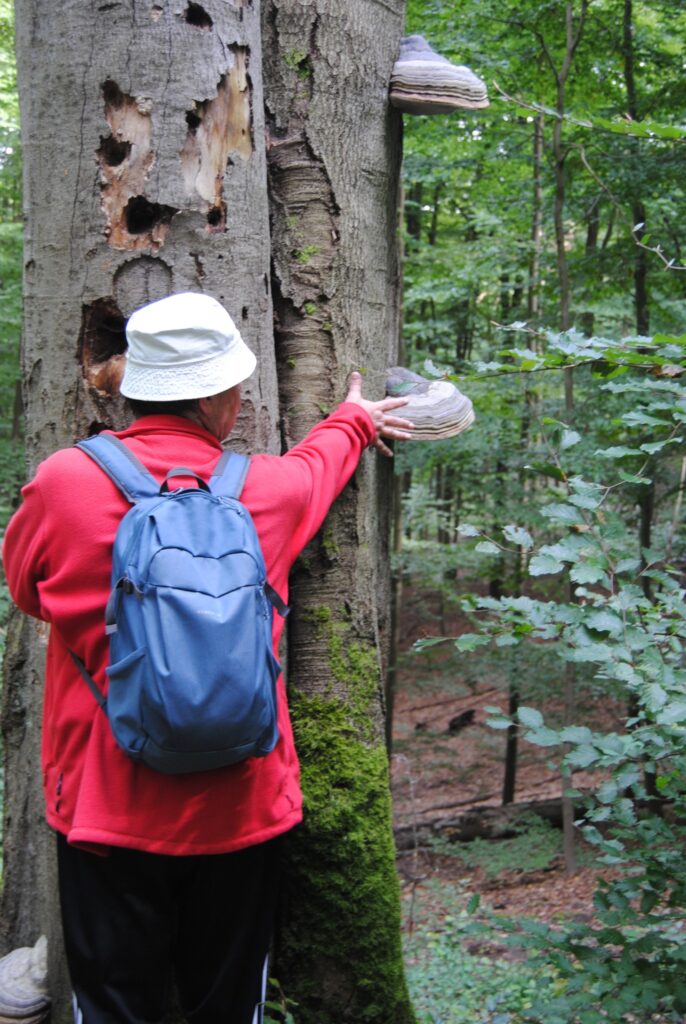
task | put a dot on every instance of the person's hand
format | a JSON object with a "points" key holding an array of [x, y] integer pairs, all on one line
{"points": [[386, 425]]}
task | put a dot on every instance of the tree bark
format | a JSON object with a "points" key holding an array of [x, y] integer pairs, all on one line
{"points": [[573, 37], [333, 151], [638, 210], [146, 174], [534, 289]]}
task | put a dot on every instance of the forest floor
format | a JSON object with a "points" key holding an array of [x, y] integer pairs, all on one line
{"points": [[438, 776]]}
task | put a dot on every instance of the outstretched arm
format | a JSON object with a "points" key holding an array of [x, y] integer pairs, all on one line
{"points": [[381, 413]]}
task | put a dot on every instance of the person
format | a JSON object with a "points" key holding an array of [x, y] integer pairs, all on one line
{"points": [[163, 875]]}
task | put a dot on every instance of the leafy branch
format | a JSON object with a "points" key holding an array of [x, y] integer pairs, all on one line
{"points": [[650, 131]]}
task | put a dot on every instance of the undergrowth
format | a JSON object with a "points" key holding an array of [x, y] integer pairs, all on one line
{"points": [[534, 846], [454, 979]]}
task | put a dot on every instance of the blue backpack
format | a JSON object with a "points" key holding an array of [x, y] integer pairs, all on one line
{"points": [[192, 674]]}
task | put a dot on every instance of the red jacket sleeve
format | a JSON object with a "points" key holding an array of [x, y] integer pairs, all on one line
{"points": [[24, 551], [304, 483]]}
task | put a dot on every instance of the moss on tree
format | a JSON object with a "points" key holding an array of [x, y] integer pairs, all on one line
{"points": [[341, 864]]}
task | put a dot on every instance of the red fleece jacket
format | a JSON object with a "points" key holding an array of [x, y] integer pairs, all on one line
{"points": [[58, 554]]}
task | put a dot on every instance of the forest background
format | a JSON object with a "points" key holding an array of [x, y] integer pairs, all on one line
{"points": [[544, 273]]}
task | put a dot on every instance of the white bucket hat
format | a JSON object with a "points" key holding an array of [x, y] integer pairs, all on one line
{"points": [[184, 346]]}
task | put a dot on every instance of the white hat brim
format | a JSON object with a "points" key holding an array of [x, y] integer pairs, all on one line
{"points": [[146, 383]]}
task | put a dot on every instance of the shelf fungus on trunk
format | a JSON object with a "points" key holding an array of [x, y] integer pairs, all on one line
{"points": [[436, 407], [24, 985], [424, 82]]}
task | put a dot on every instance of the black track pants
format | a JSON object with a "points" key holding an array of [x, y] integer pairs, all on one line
{"points": [[132, 920]]}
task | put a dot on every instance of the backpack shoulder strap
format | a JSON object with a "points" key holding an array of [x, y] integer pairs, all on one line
{"points": [[121, 466], [229, 475], [227, 482]]}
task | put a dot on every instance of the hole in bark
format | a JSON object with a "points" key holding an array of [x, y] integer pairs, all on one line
{"points": [[142, 215], [96, 427], [244, 312], [193, 121], [112, 94], [113, 151], [102, 344], [216, 217], [198, 16]]}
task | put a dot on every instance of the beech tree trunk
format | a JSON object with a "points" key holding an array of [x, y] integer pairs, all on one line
{"points": [[334, 159], [153, 165]]}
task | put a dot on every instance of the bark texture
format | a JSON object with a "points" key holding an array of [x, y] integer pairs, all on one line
{"points": [[333, 157], [145, 149]]}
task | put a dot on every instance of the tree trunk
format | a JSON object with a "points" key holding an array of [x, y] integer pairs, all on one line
{"points": [[333, 151], [146, 174], [573, 37], [534, 288], [590, 254], [638, 210]]}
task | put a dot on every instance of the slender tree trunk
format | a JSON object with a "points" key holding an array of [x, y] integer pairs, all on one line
{"points": [[145, 174], [396, 607], [433, 226], [573, 37], [413, 210], [590, 253], [638, 210]]}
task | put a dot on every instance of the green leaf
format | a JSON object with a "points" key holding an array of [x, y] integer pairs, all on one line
{"points": [[530, 717], [576, 734], [589, 501], [562, 513], [498, 723], [582, 757], [591, 652], [643, 419], [543, 737], [630, 478], [429, 641], [673, 712], [627, 565], [569, 439], [585, 572], [603, 621], [470, 641], [518, 535], [474, 902], [617, 452], [487, 547], [657, 446], [657, 697], [467, 530], [544, 565], [547, 469]]}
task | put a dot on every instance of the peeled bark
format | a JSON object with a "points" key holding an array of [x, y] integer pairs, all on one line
{"points": [[146, 174]]}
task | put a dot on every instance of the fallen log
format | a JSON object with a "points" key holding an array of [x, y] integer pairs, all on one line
{"points": [[481, 822]]}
